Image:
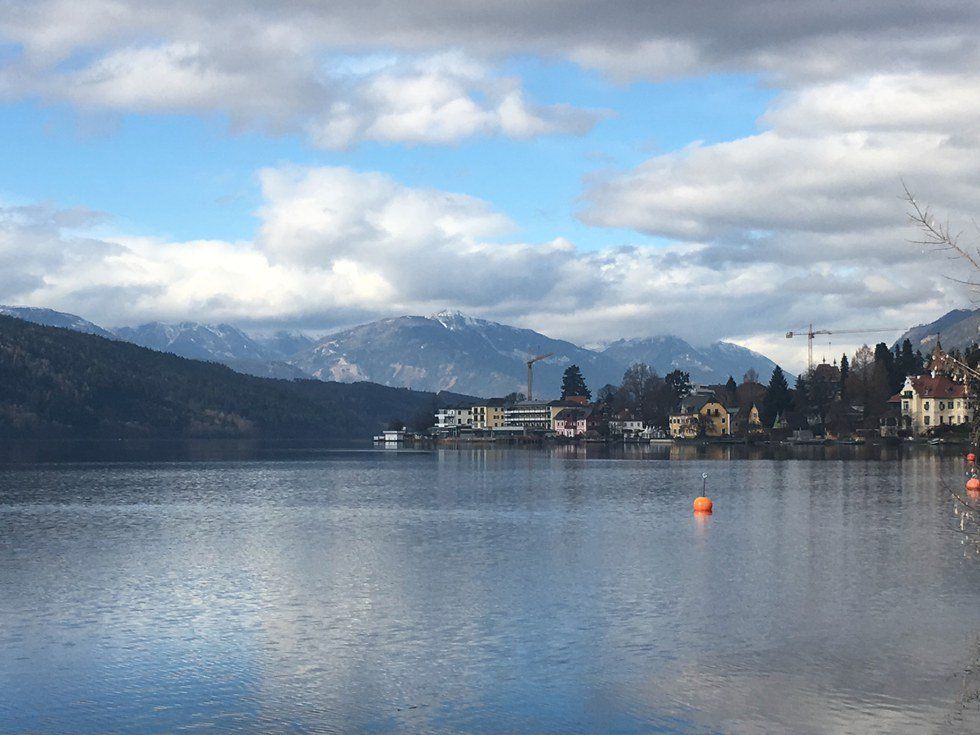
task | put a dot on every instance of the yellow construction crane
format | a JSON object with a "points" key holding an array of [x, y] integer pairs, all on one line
{"points": [[530, 370], [810, 333]]}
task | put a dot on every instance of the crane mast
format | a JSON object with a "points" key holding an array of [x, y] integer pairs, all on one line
{"points": [[530, 371], [810, 333]]}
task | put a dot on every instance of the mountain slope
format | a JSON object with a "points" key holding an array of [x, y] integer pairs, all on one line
{"points": [[213, 342], [284, 344], [711, 364], [196, 341], [958, 329], [61, 382], [52, 318], [450, 351]]}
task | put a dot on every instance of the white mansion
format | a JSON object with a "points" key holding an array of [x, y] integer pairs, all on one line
{"points": [[935, 399]]}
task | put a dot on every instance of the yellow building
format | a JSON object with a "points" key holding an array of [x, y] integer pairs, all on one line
{"points": [[744, 421], [488, 416], [700, 416]]}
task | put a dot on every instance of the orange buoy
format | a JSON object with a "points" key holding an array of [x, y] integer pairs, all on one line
{"points": [[703, 504], [973, 485]]}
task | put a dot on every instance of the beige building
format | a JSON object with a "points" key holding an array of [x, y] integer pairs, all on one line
{"points": [[489, 415]]}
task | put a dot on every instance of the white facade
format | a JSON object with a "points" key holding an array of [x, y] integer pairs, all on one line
{"points": [[929, 401], [627, 427], [450, 418], [531, 415]]}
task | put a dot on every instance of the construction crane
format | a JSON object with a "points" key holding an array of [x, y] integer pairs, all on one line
{"points": [[530, 370], [810, 333]]}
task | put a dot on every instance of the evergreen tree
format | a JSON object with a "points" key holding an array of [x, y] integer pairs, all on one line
{"points": [[908, 359], [800, 399], [573, 384], [845, 369], [778, 398], [885, 357]]}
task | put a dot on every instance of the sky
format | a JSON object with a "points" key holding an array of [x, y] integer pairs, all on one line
{"points": [[713, 170]]}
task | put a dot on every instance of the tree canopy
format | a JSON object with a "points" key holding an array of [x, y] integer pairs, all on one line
{"points": [[573, 384]]}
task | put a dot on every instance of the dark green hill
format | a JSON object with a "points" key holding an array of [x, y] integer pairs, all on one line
{"points": [[56, 382]]}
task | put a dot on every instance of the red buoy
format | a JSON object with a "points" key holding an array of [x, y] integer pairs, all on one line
{"points": [[971, 457]]}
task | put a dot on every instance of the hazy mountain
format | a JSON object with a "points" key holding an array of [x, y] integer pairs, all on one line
{"points": [[958, 328], [446, 351], [214, 342], [450, 351], [196, 341], [284, 344], [51, 318], [711, 364], [58, 382]]}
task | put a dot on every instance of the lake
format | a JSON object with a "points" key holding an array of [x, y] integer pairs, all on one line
{"points": [[238, 588]]}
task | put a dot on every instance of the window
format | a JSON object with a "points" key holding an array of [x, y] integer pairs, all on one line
{"points": [[942, 406], [926, 420], [905, 405], [925, 406]]}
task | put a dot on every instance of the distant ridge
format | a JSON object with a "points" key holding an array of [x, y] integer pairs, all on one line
{"points": [[958, 329], [444, 351], [451, 351], [52, 318], [58, 382], [215, 342]]}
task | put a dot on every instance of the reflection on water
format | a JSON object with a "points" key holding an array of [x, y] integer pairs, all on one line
{"points": [[211, 450], [484, 590]]}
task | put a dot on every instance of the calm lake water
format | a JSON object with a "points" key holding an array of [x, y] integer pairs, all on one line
{"points": [[247, 590]]}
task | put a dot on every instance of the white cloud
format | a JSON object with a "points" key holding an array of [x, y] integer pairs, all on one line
{"points": [[272, 74], [813, 202], [336, 246], [439, 99], [422, 72]]}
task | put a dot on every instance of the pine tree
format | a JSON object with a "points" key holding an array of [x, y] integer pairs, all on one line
{"points": [[845, 369], [908, 359], [573, 384], [800, 399], [778, 398], [885, 357]]}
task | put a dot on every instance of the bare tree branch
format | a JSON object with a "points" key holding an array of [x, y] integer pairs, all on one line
{"points": [[937, 235]]}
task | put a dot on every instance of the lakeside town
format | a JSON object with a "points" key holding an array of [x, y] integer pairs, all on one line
{"points": [[878, 394]]}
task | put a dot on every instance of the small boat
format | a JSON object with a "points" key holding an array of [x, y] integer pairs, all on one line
{"points": [[935, 442]]}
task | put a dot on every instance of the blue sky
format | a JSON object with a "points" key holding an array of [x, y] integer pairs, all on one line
{"points": [[186, 177], [714, 170]]}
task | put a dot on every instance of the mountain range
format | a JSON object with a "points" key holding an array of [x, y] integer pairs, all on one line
{"points": [[58, 382], [958, 329], [445, 351]]}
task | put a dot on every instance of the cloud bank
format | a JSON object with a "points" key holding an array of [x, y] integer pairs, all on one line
{"points": [[336, 246], [801, 221]]}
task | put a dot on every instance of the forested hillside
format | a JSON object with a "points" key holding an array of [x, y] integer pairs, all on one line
{"points": [[62, 383]]}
